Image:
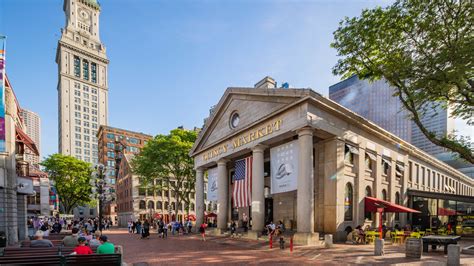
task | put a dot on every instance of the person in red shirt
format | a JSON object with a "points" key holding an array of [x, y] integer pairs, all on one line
{"points": [[81, 248]]}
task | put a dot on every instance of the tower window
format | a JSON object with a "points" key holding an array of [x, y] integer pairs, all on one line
{"points": [[85, 68], [94, 72], [77, 66]]}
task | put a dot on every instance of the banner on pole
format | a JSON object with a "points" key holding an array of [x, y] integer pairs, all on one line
{"points": [[2, 93], [212, 184], [284, 167]]}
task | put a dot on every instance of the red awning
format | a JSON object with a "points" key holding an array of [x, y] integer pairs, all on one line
{"points": [[211, 214], [23, 138], [446, 212], [191, 217], [371, 205], [158, 216]]}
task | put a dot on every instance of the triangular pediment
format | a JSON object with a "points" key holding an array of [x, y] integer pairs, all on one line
{"points": [[250, 104]]}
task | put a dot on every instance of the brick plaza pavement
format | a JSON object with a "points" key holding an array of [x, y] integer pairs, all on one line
{"points": [[228, 251]]}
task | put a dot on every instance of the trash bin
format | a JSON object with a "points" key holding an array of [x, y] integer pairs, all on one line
{"points": [[3, 239]]}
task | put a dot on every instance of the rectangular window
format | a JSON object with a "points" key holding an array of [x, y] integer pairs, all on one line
{"points": [[110, 163], [94, 91], [86, 102], [77, 86], [77, 107], [86, 116], [134, 141], [95, 153], [94, 119], [78, 122], [86, 131], [86, 95], [77, 115], [78, 151], [87, 138], [77, 93], [94, 112], [110, 145], [111, 154], [77, 66], [87, 159], [87, 145], [86, 109], [86, 124], [78, 129], [77, 100], [78, 136], [94, 105], [94, 146], [94, 125], [78, 143], [94, 72], [86, 88], [87, 152], [110, 136], [94, 132], [410, 173], [85, 69]]}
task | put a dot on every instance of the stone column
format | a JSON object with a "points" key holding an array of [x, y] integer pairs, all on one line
{"points": [[258, 197], [199, 189], [22, 217], [222, 197], [305, 193]]}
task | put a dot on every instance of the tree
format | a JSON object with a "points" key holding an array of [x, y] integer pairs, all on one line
{"points": [[164, 163], [72, 180], [425, 51]]}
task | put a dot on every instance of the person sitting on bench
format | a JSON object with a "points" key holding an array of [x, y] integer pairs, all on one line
{"points": [[81, 248], [39, 241]]}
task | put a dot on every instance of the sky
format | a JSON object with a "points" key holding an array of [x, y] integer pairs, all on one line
{"points": [[170, 61]]}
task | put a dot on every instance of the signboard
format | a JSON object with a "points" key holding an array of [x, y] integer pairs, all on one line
{"points": [[212, 184], [284, 167], [2, 93]]}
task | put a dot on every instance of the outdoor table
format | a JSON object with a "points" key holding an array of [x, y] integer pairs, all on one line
{"points": [[435, 240]]}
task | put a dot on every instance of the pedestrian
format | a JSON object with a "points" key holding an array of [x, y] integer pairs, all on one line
{"points": [[202, 230], [134, 225], [81, 248], [190, 226], [146, 229], [95, 242], [245, 221], [129, 226], [139, 227], [233, 228]]}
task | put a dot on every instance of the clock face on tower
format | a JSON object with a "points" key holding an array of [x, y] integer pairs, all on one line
{"points": [[84, 15]]}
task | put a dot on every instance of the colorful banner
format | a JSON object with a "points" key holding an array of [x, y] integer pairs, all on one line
{"points": [[2, 93], [284, 167], [212, 184]]}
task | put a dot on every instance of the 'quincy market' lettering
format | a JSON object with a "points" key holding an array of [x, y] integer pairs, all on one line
{"points": [[243, 139]]}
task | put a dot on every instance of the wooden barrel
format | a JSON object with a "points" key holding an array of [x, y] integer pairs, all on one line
{"points": [[414, 248]]}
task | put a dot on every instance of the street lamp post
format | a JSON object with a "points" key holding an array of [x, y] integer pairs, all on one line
{"points": [[101, 189]]}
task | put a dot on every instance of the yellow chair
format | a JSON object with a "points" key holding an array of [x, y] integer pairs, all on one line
{"points": [[422, 233], [397, 237], [370, 237], [415, 235], [429, 232]]}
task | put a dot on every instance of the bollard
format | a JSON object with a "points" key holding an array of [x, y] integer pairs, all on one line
{"points": [[271, 242], [378, 248], [282, 243], [291, 244], [328, 241], [454, 255]]}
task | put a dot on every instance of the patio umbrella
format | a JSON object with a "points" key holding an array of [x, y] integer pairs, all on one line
{"points": [[380, 206], [191, 217]]}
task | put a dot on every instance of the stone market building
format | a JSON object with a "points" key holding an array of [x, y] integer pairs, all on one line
{"points": [[332, 156]]}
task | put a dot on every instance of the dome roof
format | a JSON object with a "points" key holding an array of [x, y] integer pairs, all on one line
{"points": [[93, 3]]}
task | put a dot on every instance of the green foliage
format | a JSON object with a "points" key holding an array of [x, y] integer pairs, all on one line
{"points": [[164, 163], [425, 50], [71, 177]]}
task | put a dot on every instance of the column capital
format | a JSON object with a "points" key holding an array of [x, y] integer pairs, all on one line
{"points": [[222, 161], [259, 148], [199, 169], [304, 131]]}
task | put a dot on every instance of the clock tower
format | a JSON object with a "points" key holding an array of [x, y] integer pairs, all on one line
{"points": [[82, 85]]}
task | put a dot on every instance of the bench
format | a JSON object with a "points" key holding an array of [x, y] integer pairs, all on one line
{"points": [[94, 260]]}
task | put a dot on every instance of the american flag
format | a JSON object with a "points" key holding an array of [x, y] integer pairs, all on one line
{"points": [[243, 183]]}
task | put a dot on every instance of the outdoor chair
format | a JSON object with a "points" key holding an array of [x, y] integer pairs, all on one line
{"points": [[370, 237], [422, 233], [397, 237], [415, 235]]}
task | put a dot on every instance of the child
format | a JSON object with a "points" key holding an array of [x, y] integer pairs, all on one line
{"points": [[202, 230]]}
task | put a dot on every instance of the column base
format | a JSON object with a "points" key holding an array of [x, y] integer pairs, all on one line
{"points": [[251, 234], [307, 239]]}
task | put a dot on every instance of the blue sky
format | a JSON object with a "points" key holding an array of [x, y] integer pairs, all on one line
{"points": [[171, 60]]}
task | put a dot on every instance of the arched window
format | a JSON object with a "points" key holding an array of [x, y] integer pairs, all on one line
{"points": [[368, 193], [209, 207], [173, 206], [397, 201], [151, 204], [384, 197], [142, 205], [166, 205], [348, 202], [191, 207], [159, 205]]}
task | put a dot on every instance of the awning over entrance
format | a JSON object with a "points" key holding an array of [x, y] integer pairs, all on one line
{"points": [[372, 204], [211, 214]]}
